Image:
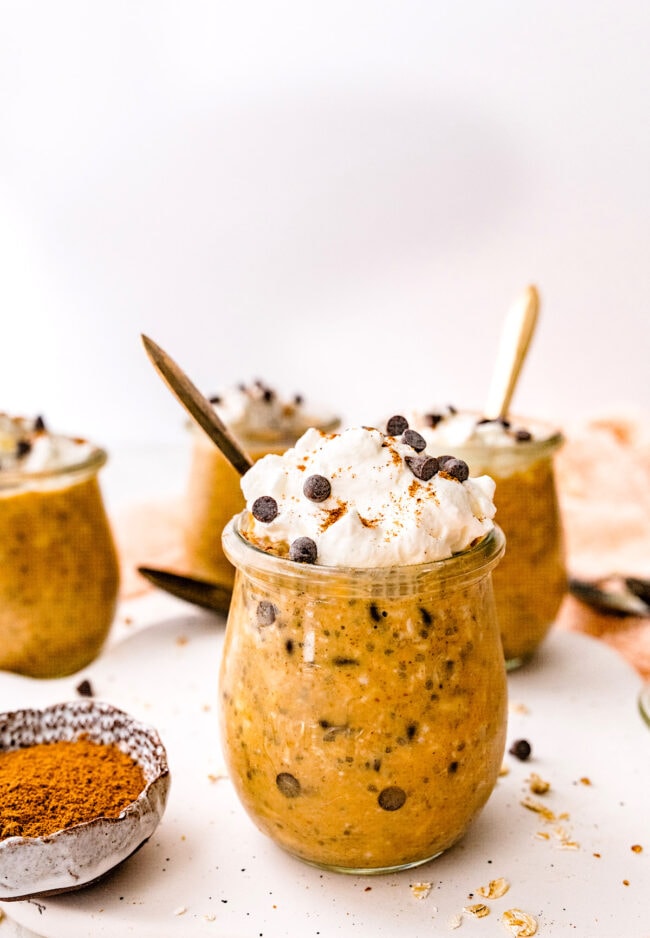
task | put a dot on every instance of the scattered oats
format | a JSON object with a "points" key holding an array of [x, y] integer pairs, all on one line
{"points": [[504, 770], [585, 781], [518, 708], [420, 890], [455, 921], [543, 835], [181, 910], [478, 910], [597, 855], [636, 848], [626, 882], [494, 889], [520, 923], [206, 708], [210, 917], [538, 785], [216, 776], [538, 808]]}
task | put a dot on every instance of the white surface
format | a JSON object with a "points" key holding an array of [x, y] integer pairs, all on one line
{"points": [[341, 198], [207, 871]]}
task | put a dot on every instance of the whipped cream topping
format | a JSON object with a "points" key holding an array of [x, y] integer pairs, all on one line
{"points": [[260, 411], [26, 446], [361, 498], [449, 427]]}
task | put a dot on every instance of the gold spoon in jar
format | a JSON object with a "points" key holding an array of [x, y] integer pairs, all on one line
{"points": [[516, 336], [202, 593], [198, 406]]}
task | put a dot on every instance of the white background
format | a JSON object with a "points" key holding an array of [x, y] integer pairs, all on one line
{"points": [[342, 198]]}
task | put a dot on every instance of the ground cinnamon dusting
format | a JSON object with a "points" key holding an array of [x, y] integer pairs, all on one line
{"points": [[51, 786]]}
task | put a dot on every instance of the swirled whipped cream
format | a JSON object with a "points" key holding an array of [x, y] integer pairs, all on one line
{"points": [[362, 498], [260, 411], [27, 446]]}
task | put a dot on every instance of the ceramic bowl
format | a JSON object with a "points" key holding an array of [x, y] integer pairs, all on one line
{"points": [[77, 856]]}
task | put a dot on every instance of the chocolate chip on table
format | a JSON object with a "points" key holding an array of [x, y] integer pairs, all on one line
{"points": [[523, 436], [288, 784], [391, 798], [317, 488], [265, 508], [433, 419], [303, 550], [414, 439], [396, 425], [215, 399], [84, 688], [457, 469], [266, 613], [39, 423], [521, 749], [422, 467]]}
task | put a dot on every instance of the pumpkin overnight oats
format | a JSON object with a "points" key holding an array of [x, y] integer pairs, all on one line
{"points": [[531, 581], [362, 689], [58, 563], [264, 422]]}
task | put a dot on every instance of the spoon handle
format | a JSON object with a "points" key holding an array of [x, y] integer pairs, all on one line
{"points": [[198, 406], [517, 333]]}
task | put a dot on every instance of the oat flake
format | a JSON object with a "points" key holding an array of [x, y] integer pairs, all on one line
{"points": [[478, 910], [420, 890], [494, 889], [520, 923]]}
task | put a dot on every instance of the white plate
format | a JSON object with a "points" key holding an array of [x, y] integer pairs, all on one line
{"points": [[208, 871]]}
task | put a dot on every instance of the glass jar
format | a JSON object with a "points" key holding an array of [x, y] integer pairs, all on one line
{"points": [[363, 711], [531, 581], [214, 495], [59, 573]]}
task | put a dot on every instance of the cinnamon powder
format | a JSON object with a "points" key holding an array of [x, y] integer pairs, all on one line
{"points": [[51, 786]]}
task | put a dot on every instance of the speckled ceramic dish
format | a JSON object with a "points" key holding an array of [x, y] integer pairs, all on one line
{"points": [[79, 855]]}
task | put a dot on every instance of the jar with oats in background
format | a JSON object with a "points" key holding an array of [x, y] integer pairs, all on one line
{"points": [[59, 574]]}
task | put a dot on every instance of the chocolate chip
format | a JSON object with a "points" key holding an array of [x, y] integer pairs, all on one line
{"points": [[215, 399], [317, 488], [22, 448], [414, 439], [411, 730], [391, 798], [521, 749], [396, 425], [452, 768], [303, 550], [288, 784], [265, 508], [84, 688], [457, 469], [422, 467], [268, 395], [523, 436], [39, 423], [433, 419], [443, 459], [298, 400], [266, 613]]}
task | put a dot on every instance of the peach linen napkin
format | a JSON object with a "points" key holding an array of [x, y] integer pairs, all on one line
{"points": [[603, 477]]}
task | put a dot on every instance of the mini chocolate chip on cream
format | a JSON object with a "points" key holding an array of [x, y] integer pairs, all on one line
{"points": [[303, 550], [414, 439], [456, 468], [265, 509], [423, 467], [317, 488], [396, 425]]}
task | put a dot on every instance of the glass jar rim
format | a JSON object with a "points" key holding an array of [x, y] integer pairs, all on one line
{"points": [[91, 462], [477, 561]]}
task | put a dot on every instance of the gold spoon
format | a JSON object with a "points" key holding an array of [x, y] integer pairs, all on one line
{"points": [[207, 595], [516, 336], [198, 406]]}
